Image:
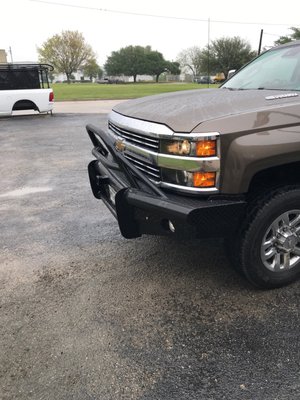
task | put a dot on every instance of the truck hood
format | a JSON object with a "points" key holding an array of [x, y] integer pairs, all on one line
{"points": [[183, 111]]}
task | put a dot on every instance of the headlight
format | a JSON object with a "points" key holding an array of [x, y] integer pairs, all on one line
{"points": [[190, 163], [194, 148], [179, 147]]}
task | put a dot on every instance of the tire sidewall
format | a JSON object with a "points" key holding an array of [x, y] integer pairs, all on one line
{"points": [[252, 264]]}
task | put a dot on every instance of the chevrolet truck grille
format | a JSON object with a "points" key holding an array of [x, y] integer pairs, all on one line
{"points": [[144, 141]]}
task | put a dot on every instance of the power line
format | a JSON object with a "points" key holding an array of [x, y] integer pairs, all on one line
{"points": [[156, 15]]}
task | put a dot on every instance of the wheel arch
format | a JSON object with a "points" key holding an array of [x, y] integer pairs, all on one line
{"points": [[25, 104], [276, 176]]}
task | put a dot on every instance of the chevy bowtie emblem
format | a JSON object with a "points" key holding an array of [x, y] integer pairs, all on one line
{"points": [[120, 145]]}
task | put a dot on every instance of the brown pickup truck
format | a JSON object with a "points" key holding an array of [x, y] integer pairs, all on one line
{"points": [[207, 163]]}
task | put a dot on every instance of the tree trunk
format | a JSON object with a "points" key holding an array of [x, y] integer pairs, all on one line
{"points": [[157, 77], [134, 78], [68, 78]]}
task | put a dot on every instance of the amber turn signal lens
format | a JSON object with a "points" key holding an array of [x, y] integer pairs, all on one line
{"points": [[206, 148], [204, 179]]}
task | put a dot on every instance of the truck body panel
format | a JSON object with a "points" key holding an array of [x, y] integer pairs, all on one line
{"points": [[39, 97]]}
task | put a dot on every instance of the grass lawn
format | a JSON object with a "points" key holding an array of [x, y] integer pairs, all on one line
{"points": [[93, 91]]}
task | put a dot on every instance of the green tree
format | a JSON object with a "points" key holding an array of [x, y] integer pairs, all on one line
{"points": [[138, 60], [173, 67], [289, 38], [191, 58], [156, 65], [92, 70], [225, 54], [129, 61], [67, 52]]}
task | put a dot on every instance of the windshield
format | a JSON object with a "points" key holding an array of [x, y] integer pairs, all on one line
{"points": [[276, 69]]}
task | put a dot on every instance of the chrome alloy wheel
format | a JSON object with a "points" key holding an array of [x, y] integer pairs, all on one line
{"points": [[280, 248]]}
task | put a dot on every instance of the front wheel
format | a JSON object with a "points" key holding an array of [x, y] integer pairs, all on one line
{"points": [[267, 250]]}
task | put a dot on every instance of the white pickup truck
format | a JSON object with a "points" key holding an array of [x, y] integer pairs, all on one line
{"points": [[25, 87]]}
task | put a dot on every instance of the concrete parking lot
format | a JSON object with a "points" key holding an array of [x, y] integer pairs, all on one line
{"points": [[86, 314]]}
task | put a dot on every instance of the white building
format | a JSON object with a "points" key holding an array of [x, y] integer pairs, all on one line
{"points": [[3, 56]]}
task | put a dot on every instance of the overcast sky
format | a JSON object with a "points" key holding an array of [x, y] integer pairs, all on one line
{"points": [[108, 25]]}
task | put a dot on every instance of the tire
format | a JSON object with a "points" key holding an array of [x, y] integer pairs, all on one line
{"points": [[267, 249]]}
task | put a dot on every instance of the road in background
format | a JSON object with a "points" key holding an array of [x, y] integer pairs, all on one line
{"points": [[88, 106], [86, 314]]}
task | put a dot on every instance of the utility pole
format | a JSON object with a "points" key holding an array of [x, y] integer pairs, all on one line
{"points": [[11, 56], [260, 41], [208, 50]]}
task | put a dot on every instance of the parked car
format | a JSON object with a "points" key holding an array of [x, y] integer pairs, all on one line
{"points": [[103, 81], [208, 163], [219, 77], [206, 79], [109, 81]]}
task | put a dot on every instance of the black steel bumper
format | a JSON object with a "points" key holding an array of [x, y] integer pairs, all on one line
{"points": [[141, 207]]}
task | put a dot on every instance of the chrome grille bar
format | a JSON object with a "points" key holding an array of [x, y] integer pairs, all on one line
{"points": [[152, 172], [135, 138]]}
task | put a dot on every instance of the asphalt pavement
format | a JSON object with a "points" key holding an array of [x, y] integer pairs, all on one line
{"points": [[86, 314]]}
